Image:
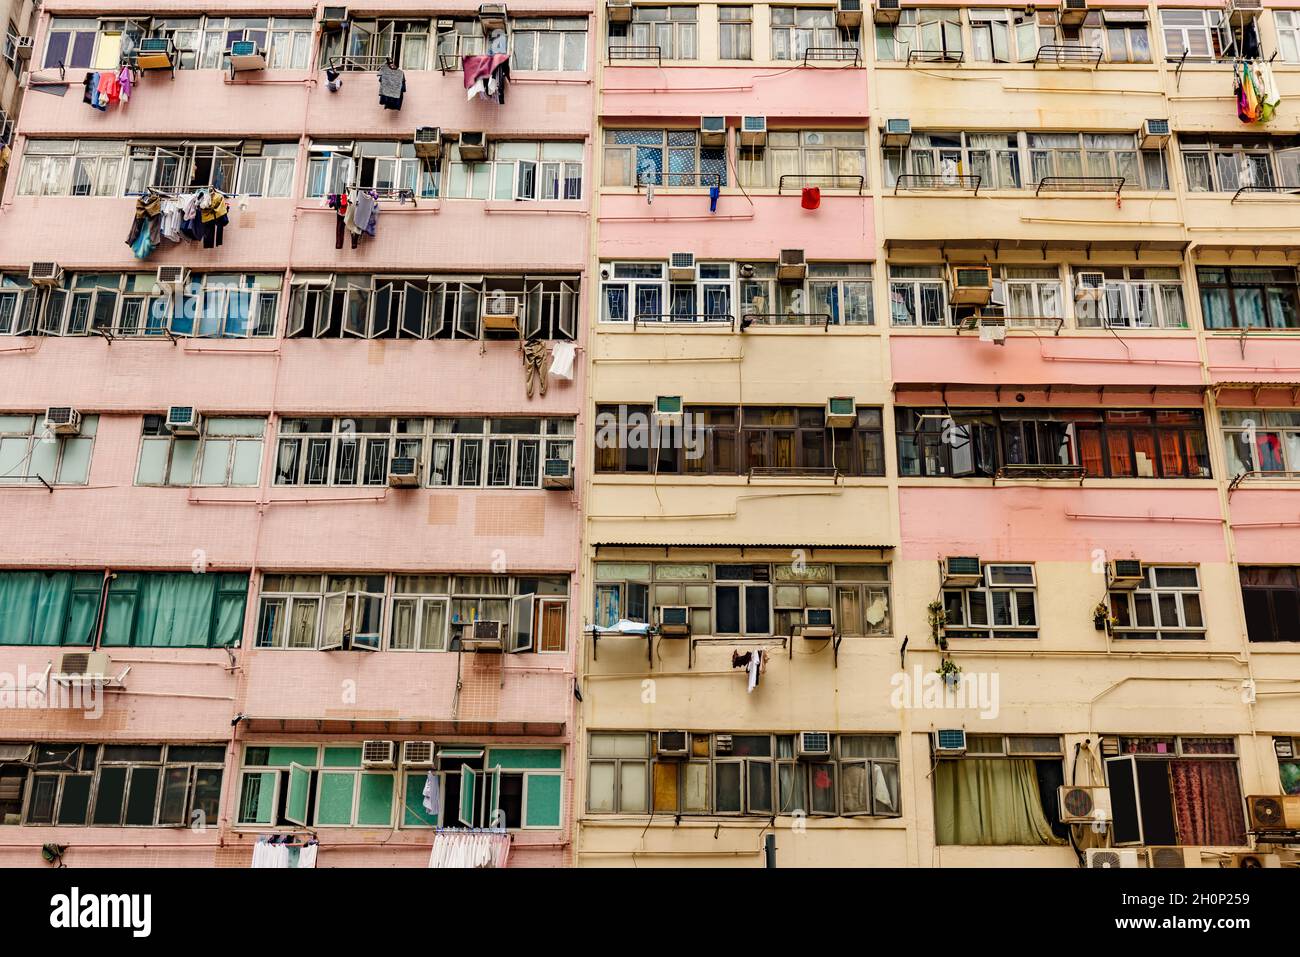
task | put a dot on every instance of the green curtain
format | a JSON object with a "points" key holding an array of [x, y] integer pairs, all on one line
{"points": [[175, 610], [34, 607], [230, 619], [989, 801]]}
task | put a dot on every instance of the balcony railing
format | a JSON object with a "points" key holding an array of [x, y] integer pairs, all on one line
{"points": [[829, 474], [1080, 184], [936, 56], [1255, 192], [1055, 473], [822, 319], [1069, 54], [954, 181], [837, 181], [850, 54], [360, 64], [671, 179], [681, 320], [625, 51]]}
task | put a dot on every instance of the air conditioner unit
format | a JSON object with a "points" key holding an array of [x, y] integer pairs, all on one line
{"points": [[848, 13], [501, 312], [333, 18], [681, 267], [672, 744], [63, 420], [753, 130], [183, 420], [668, 410], [1234, 5], [1073, 12], [887, 12], [155, 53], [817, 623], [557, 474], [419, 754], [1083, 805], [791, 265], [1165, 858], [45, 274], [1089, 285], [404, 472], [473, 146], [492, 16], [1155, 134], [674, 621], [22, 48], [1274, 812], [1124, 573], [971, 285], [1112, 857], [713, 131], [841, 412], [619, 11], [246, 55], [484, 636], [813, 744], [379, 754], [428, 142], [950, 741], [84, 665], [722, 744], [1253, 859], [897, 132], [171, 278], [962, 571]]}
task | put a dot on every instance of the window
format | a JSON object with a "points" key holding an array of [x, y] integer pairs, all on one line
{"points": [[1176, 791], [175, 609], [519, 171], [993, 157], [1249, 297], [49, 608], [72, 168], [90, 43], [1271, 596], [662, 158], [1009, 36], [671, 29], [931, 33], [725, 440], [333, 167], [1123, 36], [228, 453], [366, 43], [19, 302], [1001, 792], [1167, 605], [1198, 34], [110, 785], [1130, 297], [796, 30], [1229, 163], [364, 612], [549, 44], [825, 158], [271, 173], [1096, 155], [1002, 606], [1287, 25], [618, 773], [179, 165], [735, 26], [918, 296], [1261, 441], [1029, 292], [30, 455], [1288, 766], [299, 785], [287, 42], [511, 787]]}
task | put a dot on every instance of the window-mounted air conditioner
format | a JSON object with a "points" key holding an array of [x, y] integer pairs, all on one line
{"points": [[1274, 812], [681, 267], [1073, 12], [713, 131], [484, 636], [817, 623], [557, 474], [246, 55], [45, 274], [841, 412], [962, 571], [472, 145], [428, 142], [183, 420], [792, 265], [63, 420], [668, 410], [672, 744], [333, 18], [492, 16], [1235, 5], [887, 12], [171, 278], [1253, 859], [1167, 857], [501, 312], [897, 132], [1083, 805], [813, 744], [848, 13], [1155, 134], [1112, 857], [753, 130], [1124, 573], [971, 285], [419, 754], [22, 48], [1109, 746], [674, 621], [404, 472], [1089, 285], [950, 741], [379, 754], [619, 11], [155, 53]]}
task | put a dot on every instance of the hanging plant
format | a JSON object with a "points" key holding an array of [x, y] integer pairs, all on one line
{"points": [[938, 618], [950, 671], [1102, 619]]}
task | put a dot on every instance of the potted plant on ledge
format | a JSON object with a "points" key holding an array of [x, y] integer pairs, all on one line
{"points": [[950, 671]]}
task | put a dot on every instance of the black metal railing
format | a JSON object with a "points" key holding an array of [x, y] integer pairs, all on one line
{"points": [[1080, 184], [936, 56], [686, 320], [777, 319], [837, 181], [1246, 191], [397, 194], [1055, 473], [1069, 54], [360, 64], [671, 179], [959, 181], [630, 52], [793, 471], [848, 54]]}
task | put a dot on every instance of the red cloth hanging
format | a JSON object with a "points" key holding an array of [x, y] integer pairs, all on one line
{"points": [[812, 197]]}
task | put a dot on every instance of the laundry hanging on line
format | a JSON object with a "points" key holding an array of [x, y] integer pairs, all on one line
{"points": [[486, 75], [392, 87], [199, 216], [356, 215], [107, 88]]}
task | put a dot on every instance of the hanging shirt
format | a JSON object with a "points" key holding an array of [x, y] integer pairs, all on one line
{"points": [[125, 81], [562, 356]]}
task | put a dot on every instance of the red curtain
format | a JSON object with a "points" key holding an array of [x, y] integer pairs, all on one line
{"points": [[1207, 802]]}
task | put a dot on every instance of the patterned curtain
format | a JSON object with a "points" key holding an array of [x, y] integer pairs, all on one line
{"points": [[1207, 803]]}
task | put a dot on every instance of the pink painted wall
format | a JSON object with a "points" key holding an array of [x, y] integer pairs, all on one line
{"points": [[780, 93], [1265, 358]]}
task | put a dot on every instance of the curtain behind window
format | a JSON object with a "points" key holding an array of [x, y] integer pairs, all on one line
{"points": [[33, 606], [991, 801], [1207, 802]]}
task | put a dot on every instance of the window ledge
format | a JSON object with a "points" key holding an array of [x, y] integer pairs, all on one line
{"points": [[572, 207]]}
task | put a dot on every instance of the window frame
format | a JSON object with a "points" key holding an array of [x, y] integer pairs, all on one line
{"points": [[1124, 605]]}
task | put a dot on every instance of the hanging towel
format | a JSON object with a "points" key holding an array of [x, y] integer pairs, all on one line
{"points": [[307, 856], [714, 193], [432, 797], [478, 69], [1272, 95], [562, 356], [812, 197], [754, 668]]}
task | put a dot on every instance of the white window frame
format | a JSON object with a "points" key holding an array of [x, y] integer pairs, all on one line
{"points": [[983, 593], [37, 435], [208, 441], [1153, 591], [564, 28]]}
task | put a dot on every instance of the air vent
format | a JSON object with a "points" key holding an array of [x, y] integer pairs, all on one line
{"points": [[672, 744], [378, 754], [1166, 857], [674, 621], [897, 132], [681, 267], [792, 265], [1155, 134], [848, 13]]}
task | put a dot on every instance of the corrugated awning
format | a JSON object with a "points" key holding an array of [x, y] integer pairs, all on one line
{"points": [[754, 546], [402, 728]]}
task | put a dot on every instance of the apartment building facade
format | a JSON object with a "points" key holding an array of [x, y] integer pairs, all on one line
{"points": [[924, 553], [305, 508]]}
